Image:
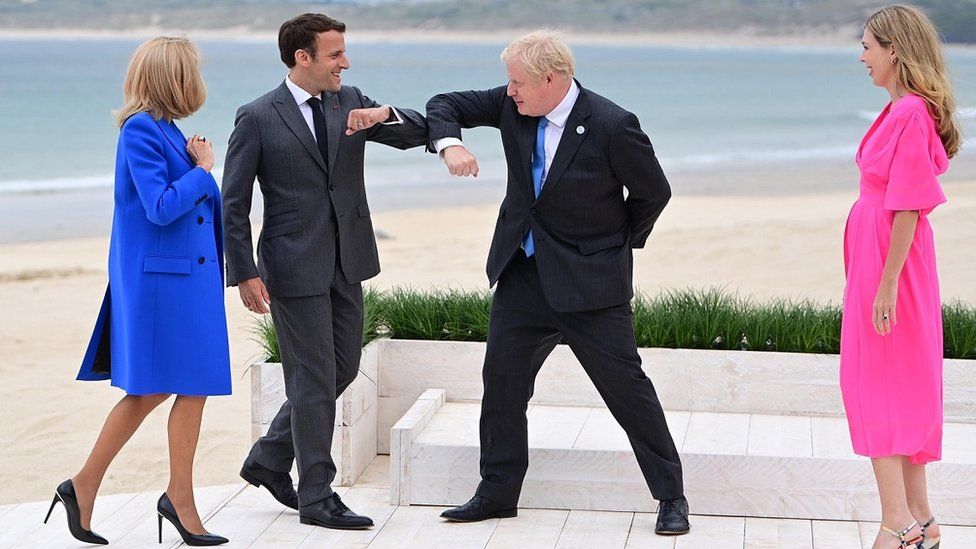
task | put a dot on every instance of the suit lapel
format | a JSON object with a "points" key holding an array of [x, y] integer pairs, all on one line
{"points": [[570, 141], [175, 139], [288, 110], [526, 140], [333, 124]]}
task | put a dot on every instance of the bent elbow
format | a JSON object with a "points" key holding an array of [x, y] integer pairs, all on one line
{"points": [[160, 215]]}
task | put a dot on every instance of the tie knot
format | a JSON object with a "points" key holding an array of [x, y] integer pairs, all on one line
{"points": [[315, 102], [543, 122]]}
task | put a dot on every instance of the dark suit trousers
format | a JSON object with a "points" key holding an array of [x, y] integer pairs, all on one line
{"points": [[321, 339], [523, 330]]}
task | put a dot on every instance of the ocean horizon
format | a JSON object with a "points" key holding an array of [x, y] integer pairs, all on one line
{"points": [[723, 120]]}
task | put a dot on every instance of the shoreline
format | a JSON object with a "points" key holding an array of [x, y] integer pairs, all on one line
{"points": [[841, 38]]}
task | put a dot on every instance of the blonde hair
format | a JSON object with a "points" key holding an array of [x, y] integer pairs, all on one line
{"points": [[919, 66], [164, 80], [541, 52]]}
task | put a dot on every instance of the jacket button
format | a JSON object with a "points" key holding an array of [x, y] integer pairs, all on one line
{"points": [[331, 187], [202, 260], [200, 220], [533, 211]]}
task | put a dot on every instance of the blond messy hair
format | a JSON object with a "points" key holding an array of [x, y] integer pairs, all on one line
{"points": [[919, 66], [164, 80], [541, 52]]}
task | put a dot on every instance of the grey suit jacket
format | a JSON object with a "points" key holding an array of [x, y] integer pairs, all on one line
{"points": [[311, 204]]}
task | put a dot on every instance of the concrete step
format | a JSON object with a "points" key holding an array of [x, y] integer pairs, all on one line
{"points": [[741, 464]]}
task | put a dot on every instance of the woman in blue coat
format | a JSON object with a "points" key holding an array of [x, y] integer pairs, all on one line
{"points": [[162, 328]]}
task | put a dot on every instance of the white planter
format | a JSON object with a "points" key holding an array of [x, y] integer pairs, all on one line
{"points": [[395, 373], [354, 437], [685, 379]]}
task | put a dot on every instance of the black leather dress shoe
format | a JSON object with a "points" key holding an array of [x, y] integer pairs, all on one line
{"points": [[279, 484], [332, 513], [479, 508], [672, 517]]}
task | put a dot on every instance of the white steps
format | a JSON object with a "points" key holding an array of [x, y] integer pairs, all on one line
{"points": [[758, 465]]}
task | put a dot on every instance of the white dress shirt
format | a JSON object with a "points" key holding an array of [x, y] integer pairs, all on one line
{"points": [[554, 130], [301, 97]]}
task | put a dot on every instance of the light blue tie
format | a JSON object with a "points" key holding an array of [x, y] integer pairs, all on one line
{"points": [[538, 171]]}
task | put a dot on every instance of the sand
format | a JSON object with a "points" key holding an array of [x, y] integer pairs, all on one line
{"points": [[760, 246]]}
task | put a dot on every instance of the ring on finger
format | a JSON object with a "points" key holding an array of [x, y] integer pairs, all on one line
{"points": [[885, 316]]}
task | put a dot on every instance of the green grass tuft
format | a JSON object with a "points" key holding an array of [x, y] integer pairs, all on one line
{"points": [[710, 318]]}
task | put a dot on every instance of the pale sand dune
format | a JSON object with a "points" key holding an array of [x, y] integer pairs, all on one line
{"points": [[760, 246]]}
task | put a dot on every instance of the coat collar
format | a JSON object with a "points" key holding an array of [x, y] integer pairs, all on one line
{"points": [[334, 123], [284, 103], [568, 143], [574, 132], [175, 138]]}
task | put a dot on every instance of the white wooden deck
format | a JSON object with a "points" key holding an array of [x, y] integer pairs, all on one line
{"points": [[251, 518]]}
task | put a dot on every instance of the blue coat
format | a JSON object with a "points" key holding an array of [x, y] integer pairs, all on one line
{"points": [[162, 326]]}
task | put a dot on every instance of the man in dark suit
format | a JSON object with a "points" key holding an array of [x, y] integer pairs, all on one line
{"points": [[304, 142], [561, 256]]}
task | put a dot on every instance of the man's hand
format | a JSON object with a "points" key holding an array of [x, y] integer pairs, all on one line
{"points": [[363, 119], [459, 161], [255, 295]]}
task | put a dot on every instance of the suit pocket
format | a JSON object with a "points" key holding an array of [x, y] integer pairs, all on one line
{"points": [[594, 245], [167, 264], [279, 208], [287, 226]]}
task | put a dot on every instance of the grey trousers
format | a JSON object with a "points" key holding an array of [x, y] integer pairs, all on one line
{"points": [[321, 339]]}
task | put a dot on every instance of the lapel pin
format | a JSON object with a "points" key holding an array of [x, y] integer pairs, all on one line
{"points": [[580, 130], [335, 107]]}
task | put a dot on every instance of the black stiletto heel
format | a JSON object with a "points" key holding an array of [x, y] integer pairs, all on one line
{"points": [[165, 509], [65, 493]]}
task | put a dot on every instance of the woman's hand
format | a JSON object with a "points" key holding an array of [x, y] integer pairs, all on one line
{"points": [[884, 317], [200, 151]]}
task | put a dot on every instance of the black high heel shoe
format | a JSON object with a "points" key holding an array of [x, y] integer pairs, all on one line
{"points": [[165, 509], [65, 493]]}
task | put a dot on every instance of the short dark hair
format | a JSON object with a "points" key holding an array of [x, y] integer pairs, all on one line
{"points": [[299, 34]]}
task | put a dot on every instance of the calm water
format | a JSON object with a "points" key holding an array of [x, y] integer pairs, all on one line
{"points": [[707, 111]]}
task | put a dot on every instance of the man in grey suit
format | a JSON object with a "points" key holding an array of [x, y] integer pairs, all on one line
{"points": [[304, 142], [584, 188]]}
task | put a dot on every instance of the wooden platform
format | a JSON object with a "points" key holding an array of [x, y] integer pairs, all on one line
{"points": [[251, 518], [735, 464]]}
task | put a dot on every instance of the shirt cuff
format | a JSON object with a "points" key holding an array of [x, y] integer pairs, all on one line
{"points": [[446, 142], [394, 118]]}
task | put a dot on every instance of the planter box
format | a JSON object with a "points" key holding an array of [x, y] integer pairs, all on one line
{"points": [[395, 373], [354, 437], [687, 380]]}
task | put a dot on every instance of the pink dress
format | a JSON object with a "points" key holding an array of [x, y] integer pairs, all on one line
{"points": [[892, 385]]}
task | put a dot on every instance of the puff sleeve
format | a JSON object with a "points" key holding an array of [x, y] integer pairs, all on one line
{"points": [[912, 179]]}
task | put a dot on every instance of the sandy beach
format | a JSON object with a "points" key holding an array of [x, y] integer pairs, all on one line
{"points": [[760, 246]]}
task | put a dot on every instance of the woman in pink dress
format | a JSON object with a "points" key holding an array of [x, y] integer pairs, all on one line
{"points": [[891, 339]]}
